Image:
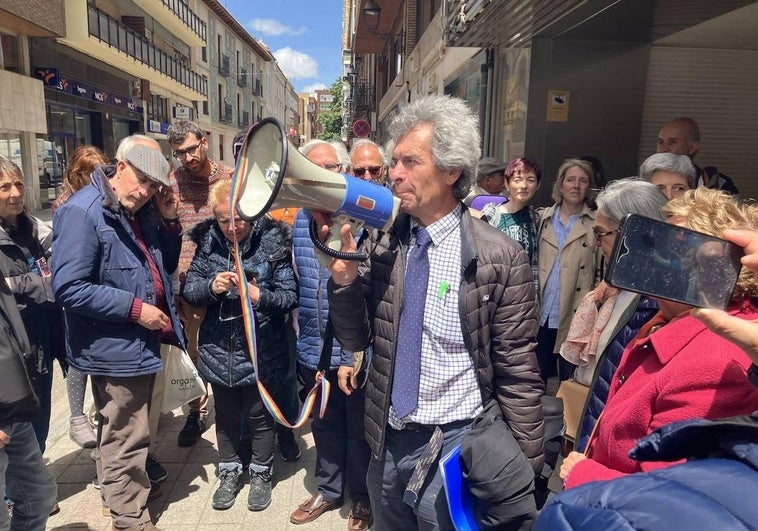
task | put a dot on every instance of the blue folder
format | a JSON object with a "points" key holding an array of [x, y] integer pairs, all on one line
{"points": [[460, 501]]}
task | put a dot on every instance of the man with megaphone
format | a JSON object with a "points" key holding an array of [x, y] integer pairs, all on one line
{"points": [[447, 303]]}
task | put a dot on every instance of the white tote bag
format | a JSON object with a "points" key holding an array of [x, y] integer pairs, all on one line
{"points": [[181, 380]]}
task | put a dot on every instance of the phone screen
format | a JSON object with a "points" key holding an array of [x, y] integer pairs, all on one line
{"points": [[674, 263]]}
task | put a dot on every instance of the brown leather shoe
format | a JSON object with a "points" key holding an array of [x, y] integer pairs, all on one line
{"points": [[311, 509], [360, 517]]}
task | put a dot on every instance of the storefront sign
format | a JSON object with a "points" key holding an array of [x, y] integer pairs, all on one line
{"points": [[182, 112], [53, 80], [154, 126]]}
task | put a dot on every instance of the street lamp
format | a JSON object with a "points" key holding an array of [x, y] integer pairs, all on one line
{"points": [[372, 9]]}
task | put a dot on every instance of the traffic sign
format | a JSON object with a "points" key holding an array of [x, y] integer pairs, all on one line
{"points": [[361, 128]]}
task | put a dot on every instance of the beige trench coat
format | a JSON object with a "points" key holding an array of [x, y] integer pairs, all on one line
{"points": [[580, 264]]}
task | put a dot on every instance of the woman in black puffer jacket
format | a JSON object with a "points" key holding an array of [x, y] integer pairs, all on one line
{"points": [[265, 246]]}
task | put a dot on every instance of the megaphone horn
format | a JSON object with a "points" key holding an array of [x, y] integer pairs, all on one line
{"points": [[275, 175]]}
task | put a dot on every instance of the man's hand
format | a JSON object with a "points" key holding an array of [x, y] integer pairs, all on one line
{"points": [[152, 318], [344, 272], [569, 462], [4, 439], [347, 377], [167, 203]]}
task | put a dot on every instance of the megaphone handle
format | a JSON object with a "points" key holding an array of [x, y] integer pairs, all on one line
{"points": [[333, 240]]}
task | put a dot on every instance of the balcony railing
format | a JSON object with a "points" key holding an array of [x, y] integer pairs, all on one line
{"points": [[364, 97], [244, 120], [226, 115], [114, 33], [242, 78], [257, 88], [223, 65], [189, 17]]}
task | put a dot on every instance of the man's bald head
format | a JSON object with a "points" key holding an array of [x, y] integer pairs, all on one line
{"points": [[680, 136]]}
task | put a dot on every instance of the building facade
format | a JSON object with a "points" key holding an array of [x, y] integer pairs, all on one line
{"points": [[96, 71], [554, 79]]}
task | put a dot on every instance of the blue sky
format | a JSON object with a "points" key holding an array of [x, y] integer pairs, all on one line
{"points": [[304, 35]]}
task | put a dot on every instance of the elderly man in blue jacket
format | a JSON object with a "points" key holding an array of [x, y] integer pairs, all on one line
{"points": [[115, 242]]}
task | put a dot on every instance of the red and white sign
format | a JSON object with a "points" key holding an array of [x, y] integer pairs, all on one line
{"points": [[361, 128]]}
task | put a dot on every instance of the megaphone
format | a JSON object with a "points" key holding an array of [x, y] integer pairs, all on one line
{"points": [[276, 175]]}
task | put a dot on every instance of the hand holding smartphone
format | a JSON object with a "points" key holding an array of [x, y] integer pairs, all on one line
{"points": [[671, 262]]}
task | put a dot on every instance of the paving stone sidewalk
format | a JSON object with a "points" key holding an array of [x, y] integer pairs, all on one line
{"points": [[185, 503]]}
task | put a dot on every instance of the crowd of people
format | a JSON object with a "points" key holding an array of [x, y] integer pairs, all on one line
{"points": [[445, 338]]}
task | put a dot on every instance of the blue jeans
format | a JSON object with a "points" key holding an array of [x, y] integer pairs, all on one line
{"points": [[27, 481]]}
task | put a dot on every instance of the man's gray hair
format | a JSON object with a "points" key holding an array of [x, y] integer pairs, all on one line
{"points": [[342, 157], [363, 142], [631, 196], [679, 164], [178, 131], [455, 138], [127, 143]]}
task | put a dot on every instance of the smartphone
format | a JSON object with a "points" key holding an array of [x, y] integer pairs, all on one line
{"points": [[666, 261]]}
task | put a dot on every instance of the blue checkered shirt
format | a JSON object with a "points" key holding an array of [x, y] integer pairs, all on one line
{"points": [[448, 387]]}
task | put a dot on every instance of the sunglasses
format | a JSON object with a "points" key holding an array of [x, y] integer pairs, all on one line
{"points": [[373, 170]]}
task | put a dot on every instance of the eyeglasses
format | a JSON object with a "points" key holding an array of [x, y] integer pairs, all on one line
{"points": [[373, 170], [181, 153], [599, 234]]}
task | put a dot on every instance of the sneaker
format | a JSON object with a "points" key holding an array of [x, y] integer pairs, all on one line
{"points": [[155, 471], [96, 483], [288, 448], [191, 431], [259, 496], [81, 432], [226, 493]]}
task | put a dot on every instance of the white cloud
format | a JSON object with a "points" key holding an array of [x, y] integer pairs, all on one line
{"points": [[313, 87], [269, 26], [296, 65]]}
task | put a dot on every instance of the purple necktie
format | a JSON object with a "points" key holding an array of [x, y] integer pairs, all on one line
{"points": [[408, 352]]}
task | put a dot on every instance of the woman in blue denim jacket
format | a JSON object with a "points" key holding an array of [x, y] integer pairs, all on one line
{"points": [[265, 247]]}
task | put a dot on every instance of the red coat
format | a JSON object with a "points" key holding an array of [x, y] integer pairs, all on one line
{"points": [[681, 371]]}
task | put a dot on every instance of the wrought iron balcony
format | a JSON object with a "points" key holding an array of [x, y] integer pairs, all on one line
{"points": [[189, 17], [223, 65], [112, 32], [244, 120], [242, 78], [226, 115]]}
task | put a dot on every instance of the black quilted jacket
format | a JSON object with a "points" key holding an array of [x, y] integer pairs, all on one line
{"points": [[497, 315], [224, 355]]}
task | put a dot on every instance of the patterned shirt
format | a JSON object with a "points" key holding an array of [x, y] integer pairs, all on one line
{"points": [[551, 300], [192, 192], [448, 387]]}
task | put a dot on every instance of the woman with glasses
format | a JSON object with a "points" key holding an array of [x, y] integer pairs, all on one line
{"points": [[265, 247], [568, 262], [607, 318], [674, 369]]}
